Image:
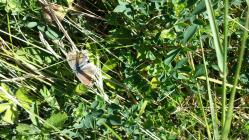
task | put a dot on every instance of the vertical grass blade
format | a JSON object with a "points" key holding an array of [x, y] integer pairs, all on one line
{"points": [[8, 20], [199, 99], [203, 112], [210, 98], [224, 102], [229, 114], [215, 34]]}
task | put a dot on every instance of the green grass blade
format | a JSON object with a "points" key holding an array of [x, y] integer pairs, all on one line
{"points": [[8, 20], [226, 4], [112, 131], [229, 114], [215, 34], [203, 112], [210, 98], [199, 100]]}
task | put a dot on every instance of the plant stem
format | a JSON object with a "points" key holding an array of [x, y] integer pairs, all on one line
{"points": [[112, 131], [229, 114], [8, 20], [203, 112], [211, 102], [225, 63], [199, 99]]}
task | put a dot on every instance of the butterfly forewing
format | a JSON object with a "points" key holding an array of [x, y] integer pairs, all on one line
{"points": [[77, 59]]}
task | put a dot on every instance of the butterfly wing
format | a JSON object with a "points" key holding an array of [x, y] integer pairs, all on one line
{"points": [[87, 74], [77, 59], [71, 59]]}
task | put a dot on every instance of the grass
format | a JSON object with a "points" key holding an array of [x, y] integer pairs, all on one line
{"points": [[164, 69], [229, 115]]}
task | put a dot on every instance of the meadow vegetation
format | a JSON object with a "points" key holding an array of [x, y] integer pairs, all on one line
{"points": [[175, 69]]}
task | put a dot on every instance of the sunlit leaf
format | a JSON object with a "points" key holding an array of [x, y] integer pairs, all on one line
{"points": [[23, 97], [31, 24], [26, 129], [167, 33], [56, 120], [150, 55], [109, 65], [13, 6], [49, 98], [34, 110], [4, 106], [10, 114], [121, 7], [142, 109], [81, 89], [153, 83]]}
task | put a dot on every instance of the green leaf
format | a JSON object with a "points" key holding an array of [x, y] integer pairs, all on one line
{"points": [[100, 121], [41, 28], [181, 63], [81, 89], [167, 34], [56, 120], [200, 7], [215, 67], [4, 106], [6, 88], [10, 115], [150, 55], [216, 38], [3, 1], [121, 7], [34, 109], [110, 64], [110, 84], [31, 24], [26, 129], [153, 83], [52, 34], [199, 71], [87, 122], [171, 56], [115, 120], [49, 97], [142, 109], [13, 6], [190, 31], [24, 98]]}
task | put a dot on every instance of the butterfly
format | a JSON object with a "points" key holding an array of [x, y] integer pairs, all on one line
{"points": [[85, 71]]}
